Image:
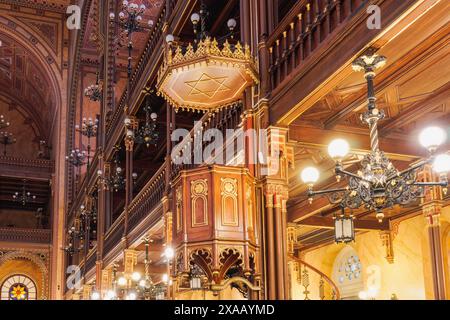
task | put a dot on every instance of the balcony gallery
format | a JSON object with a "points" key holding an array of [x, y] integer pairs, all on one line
{"points": [[224, 150]]}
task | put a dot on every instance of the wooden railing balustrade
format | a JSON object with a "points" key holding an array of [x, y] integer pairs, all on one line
{"points": [[114, 235], [152, 46], [315, 284], [302, 31], [42, 236], [224, 119], [148, 198]]}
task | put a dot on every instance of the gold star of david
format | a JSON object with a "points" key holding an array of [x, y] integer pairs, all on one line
{"points": [[207, 85]]}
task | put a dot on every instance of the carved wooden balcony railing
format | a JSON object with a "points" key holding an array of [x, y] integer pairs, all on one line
{"points": [[114, 235], [229, 118], [149, 198], [87, 181], [91, 260], [152, 54], [41, 236], [38, 168], [314, 284], [304, 29]]}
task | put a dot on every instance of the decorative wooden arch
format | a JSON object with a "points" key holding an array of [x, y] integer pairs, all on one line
{"points": [[16, 255]]}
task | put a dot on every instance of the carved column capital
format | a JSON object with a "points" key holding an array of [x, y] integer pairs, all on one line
{"points": [[387, 239], [129, 260], [432, 212]]}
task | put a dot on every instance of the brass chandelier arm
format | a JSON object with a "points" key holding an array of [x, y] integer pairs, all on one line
{"points": [[312, 193], [410, 169], [350, 174], [431, 184]]}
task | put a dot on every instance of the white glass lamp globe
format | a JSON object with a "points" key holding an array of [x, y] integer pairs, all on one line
{"points": [[170, 38], [122, 281], [432, 137], [165, 278], [310, 175], [95, 296], [110, 295], [338, 148], [136, 276], [442, 163], [131, 296], [195, 18], [169, 253], [231, 23]]}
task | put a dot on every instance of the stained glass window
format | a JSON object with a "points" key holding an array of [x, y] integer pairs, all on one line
{"points": [[18, 287], [18, 291]]}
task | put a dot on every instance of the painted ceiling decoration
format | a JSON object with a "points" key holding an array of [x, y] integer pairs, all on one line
{"points": [[24, 79]]}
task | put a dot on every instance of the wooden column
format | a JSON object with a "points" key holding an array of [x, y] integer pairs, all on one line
{"points": [[432, 213], [270, 248], [129, 145], [278, 239]]}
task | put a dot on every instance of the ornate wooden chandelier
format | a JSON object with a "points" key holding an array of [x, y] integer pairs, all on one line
{"points": [[378, 185], [210, 73]]}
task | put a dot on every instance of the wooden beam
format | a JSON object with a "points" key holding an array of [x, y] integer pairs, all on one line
{"points": [[328, 223], [312, 137], [417, 110], [395, 73]]}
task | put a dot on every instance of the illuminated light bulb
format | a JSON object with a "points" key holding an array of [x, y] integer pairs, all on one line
{"points": [[110, 295], [169, 253], [131, 296], [122, 281], [136, 276], [432, 137], [95, 296], [170, 38], [441, 163], [231, 24], [195, 18], [165, 278], [338, 149], [310, 175], [143, 283]]}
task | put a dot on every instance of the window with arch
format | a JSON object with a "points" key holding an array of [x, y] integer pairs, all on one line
{"points": [[18, 287], [347, 273]]}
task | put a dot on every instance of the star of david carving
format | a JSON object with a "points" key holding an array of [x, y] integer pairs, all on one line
{"points": [[207, 85]]}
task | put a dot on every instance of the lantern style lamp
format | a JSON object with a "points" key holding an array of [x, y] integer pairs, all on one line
{"points": [[344, 231]]}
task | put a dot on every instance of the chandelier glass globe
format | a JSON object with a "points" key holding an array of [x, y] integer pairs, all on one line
{"points": [[442, 163], [95, 295], [432, 137], [310, 175], [122, 281], [338, 149], [136, 276], [169, 253]]}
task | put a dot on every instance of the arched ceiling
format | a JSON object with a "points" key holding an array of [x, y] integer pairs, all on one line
{"points": [[26, 83]]}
